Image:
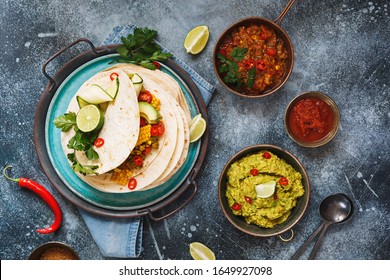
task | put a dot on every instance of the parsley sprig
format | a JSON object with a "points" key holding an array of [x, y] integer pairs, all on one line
{"points": [[141, 48], [81, 141], [231, 69]]}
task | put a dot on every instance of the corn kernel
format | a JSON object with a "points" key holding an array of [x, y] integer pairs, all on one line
{"points": [[144, 134]]}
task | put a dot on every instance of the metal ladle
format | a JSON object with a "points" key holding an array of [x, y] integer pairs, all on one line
{"points": [[334, 209]]}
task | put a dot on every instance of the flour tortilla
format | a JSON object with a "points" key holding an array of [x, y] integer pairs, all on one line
{"points": [[164, 80], [121, 123], [181, 151], [159, 164]]}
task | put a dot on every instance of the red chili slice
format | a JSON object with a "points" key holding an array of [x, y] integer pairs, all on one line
{"points": [[254, 172], [98, 142], [155, 63], [138, 160], [113, 76], [236, 206], [248, 64], [132, 184], [283, 181], [248, 199], [261, 65], [266, 155]]}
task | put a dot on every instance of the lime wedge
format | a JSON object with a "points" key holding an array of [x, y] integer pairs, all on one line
{"points": [[266, 189], [196, 39], [89, 118], [195, 119], [199, 251], [197, 128]]}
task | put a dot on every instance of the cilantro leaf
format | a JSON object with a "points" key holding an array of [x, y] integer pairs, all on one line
{"points": [[82, 169], [251, 77], [66, 121], [238, 53], [141, 48]]}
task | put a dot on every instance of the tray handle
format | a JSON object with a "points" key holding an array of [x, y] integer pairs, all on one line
{"points": [[50, 78], [192, 183]]}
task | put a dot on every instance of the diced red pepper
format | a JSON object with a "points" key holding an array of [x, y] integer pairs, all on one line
{"points": [[254, 172], [283, 181], [266, 155], [261, 65], [236, 206]]}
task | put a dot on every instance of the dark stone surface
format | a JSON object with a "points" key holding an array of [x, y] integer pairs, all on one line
{"points": [[341, 49]]}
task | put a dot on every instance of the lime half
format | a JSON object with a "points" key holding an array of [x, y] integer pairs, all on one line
{"points": [[196, 39], [266, 189], [197, 128], [200, 251], [89, 118]]}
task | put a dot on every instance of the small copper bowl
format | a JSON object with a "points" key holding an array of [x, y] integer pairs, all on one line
{"points": [[332, 129], [296, 213], [276, 26], [54, 251]]}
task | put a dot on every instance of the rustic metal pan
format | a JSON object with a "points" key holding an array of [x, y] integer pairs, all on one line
{"points": [[156, 209], [275, 25]]}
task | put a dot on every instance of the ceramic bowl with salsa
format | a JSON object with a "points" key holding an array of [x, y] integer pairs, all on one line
{"points": [[253, 58], [312, 119]]}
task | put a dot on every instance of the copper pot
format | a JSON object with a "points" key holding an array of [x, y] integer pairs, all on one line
{"points": [[275, 25]]}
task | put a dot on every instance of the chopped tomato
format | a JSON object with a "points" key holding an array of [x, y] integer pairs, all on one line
{"points": [[132, 184], [138, 160], [145, 96], [271, 51], [154, 130], [266, 155], [283, 181], [142, 122], [157, 129], [236, 206], [98, 142], [161, 128], [113, 76], [147, 150], [254, 172]]}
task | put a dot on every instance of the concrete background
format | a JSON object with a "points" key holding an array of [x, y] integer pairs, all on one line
{"points": [[341, 49]]}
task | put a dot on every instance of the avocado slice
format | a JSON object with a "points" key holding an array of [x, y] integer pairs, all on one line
{"points": [[148, 112]]}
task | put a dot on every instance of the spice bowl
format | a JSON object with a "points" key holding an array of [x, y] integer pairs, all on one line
{"points": [[54, 250], [312, 119], [296, 213]]}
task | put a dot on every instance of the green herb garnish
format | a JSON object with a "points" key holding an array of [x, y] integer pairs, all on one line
{"points": [[141, 48], [230, 66], [81, 141], [251, 77]]}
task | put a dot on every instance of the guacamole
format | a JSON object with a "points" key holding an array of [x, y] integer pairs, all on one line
{"points": [[244, 178]]}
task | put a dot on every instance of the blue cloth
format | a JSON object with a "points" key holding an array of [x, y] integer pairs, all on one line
{"points": [[122, 238]]}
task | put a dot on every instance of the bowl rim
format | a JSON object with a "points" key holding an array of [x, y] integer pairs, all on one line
{"points": [[245, 21], [37, 252], [336, 124], [256, 148]]}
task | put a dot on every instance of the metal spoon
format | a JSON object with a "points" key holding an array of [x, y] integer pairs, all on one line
{"points": [[334, 209]]}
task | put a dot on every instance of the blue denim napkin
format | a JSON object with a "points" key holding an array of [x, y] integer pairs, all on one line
{"points": [[122, 238]]}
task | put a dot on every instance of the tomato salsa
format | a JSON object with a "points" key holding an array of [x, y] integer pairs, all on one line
{"points": [[252, 59], [310, 119]]}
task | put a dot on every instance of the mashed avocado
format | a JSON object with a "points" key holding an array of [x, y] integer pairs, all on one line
{"points": [[252, 170]]}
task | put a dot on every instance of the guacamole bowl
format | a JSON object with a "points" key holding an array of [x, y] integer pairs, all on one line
{"points": [[248, 202]]}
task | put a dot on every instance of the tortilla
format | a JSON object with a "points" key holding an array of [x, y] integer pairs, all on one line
{"points": [[164, 80], [158, 165], [121, 123]]}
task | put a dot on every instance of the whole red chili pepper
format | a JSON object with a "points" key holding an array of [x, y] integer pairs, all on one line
{"points": [[45, 195]]}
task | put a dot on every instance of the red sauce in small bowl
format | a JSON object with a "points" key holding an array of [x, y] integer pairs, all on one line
{"points": [[310, 119]]}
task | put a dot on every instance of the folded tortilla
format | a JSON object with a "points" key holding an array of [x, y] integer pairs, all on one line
{"points": [[121, 123]]}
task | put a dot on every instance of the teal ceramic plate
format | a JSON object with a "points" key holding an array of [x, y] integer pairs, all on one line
{"points": [[113, 201]]}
